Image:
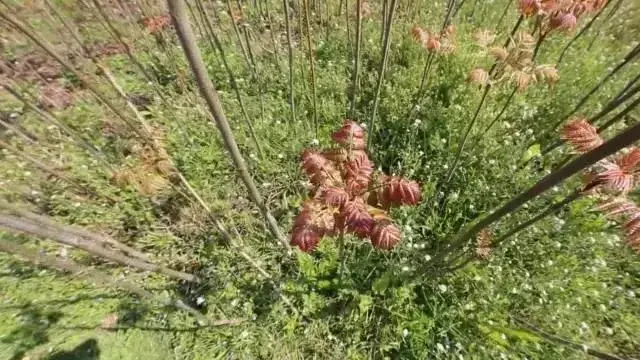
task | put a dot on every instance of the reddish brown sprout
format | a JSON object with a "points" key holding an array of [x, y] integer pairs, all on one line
{"points": [[582, 135], [348, 196], [385, 235]]}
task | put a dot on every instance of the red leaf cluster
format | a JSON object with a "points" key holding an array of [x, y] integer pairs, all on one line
{"points": [[559, 14], [348, 196], [155, 24], [582, 135], [630, 213]]}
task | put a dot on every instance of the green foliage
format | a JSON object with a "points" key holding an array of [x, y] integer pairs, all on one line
{"points": [[569, 274]]}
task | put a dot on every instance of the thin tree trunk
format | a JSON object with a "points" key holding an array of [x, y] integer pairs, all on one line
{"points": [[607, 109], [504, 13], [385, 15], [81, 232], [209, 93], [312, 71], [463, 141], [22, 225], [348, 23], [239, 38], [494, 121], [383, 66], [356, 72], [129, 53], [86, 82], [272, 33], [579, 34], [627, 59], [83, 189], [622, 140], [216, 44], [93, 276], [292, 102], [28, 138], [558, 340], [620, 116]]}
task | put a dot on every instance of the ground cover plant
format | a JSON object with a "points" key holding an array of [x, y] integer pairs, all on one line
{"points": [[197, 179]]}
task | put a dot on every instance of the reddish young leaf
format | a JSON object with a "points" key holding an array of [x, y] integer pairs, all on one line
{"points": [[418, 34], [334, 196], [613, 177], [313, 162], [337, 155], [399, 191], [628, 162], [319, 169], [357, 174], [305, 238], [351, 135], [385, 235], [582, 135], [355, 218]]}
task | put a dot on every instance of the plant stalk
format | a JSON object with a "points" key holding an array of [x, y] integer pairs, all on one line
{"points": [[209, 93]]}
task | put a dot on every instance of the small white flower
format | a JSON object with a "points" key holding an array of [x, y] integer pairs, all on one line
{"points": [[200, 300], [442, 288], [440, 347], [363, 125], [631, 294], [253, 156], [280, 156], [315, 142], [405, 333], [608, 331], [417, 122], [445, 166], [405, 268], [444, 141], [529, 131], [492, 162], [427, 257]]}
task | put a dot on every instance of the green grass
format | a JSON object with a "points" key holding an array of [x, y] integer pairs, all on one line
{"points": [[569, 274]]}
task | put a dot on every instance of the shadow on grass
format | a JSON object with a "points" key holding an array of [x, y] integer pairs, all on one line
{"points": [[87, 350], [33, 330]]}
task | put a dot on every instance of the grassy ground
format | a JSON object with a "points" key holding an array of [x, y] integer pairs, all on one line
{"points": [[570, 274]]}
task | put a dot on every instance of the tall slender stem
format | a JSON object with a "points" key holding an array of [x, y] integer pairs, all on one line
{"points": [[580, 33], [627, 59], [209, 93], [94, 277], [312, 70], [232, 79], [292, 102], [622, 140], [356, 72], [24, 225], [272, 33], [383, 66], [504, 13], [495, 120], [239, 38], [466, 134]]}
